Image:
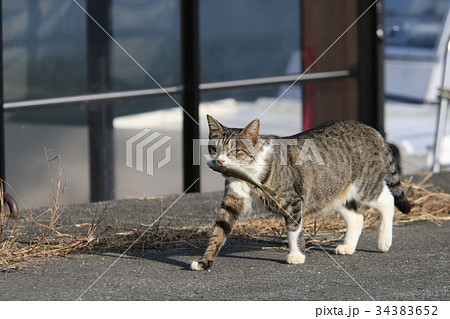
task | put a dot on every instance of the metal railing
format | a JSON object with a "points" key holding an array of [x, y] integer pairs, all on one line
{"points": [[444, 96], [212, 87]]}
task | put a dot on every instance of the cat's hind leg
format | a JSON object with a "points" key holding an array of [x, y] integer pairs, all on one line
{"points": [[385, 205], [354, 221]]}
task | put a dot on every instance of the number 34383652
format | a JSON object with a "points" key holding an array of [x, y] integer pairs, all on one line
{"points": [[407, 310]]}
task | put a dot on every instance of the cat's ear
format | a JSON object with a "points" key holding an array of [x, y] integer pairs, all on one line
{"points": [[251, 131], [215, 128]]}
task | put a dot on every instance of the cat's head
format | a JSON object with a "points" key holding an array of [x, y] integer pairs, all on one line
{"points": [[232, 146]]}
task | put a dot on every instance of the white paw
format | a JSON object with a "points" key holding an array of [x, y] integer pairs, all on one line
{"points": [[344, 250], [196, 266], [295, 258], [384, 244]]}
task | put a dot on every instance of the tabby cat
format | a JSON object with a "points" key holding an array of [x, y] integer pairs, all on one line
{"points": [[346, 164]]}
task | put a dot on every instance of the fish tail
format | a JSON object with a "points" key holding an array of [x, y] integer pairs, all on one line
{"points": [[268, 190]]}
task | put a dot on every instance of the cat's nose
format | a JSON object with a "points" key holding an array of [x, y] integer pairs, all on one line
{"points": [[220, 161]]}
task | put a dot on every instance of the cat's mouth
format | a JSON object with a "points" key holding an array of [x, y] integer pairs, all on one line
{"points": [[214, 164]]}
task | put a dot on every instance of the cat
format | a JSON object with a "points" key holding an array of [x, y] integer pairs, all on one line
{"points": [[346, 164]]}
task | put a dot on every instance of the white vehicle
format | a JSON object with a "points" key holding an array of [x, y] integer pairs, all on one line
{"points": [[417, 35]]}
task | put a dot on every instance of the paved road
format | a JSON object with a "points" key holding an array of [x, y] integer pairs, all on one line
{"points": [[416, 268]]}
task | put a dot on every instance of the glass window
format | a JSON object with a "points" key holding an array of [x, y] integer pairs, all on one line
{"points": [[247, 39], [419, 22], [44, 49], [158, 116], [45, 55], [150, 32], [27, 135]]}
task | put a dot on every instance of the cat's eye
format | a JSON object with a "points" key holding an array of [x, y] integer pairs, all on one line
{"points": [[212, 148], [233, 152], [238, 152]]}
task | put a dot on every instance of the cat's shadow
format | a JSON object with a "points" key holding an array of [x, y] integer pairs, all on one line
{"points": [[174, 256], [231, 253]]}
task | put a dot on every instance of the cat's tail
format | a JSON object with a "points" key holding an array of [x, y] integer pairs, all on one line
{"points": [[394, 184]]}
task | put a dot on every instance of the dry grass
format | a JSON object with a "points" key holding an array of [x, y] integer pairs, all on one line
{"points": [[49, 242], [3, 217], [427, 205]]}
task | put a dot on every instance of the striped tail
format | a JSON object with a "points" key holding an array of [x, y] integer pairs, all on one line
{"points": [[393, 182]]}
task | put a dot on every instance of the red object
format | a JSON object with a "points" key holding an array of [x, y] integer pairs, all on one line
{"points": [[309, 55]]}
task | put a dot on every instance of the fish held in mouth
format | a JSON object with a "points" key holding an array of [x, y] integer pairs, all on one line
{"points": [[245, 174]]}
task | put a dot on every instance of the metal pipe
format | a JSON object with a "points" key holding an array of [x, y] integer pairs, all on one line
{"points": [[100, 119], [7, 199], [149, 93], [273, 80], [444, 97], [191, 95], [12, 204], [2, 109], [109, 96], [370, 64]]}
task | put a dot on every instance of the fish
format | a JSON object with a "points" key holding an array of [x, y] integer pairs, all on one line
{"points": [[242, 174]]}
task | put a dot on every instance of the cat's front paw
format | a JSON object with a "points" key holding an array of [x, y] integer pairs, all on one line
{"points": [[201, 265], [295, 258], [344, 250]]}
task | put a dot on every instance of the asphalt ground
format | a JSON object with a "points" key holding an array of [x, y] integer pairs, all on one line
{"points": [[416, 267]]}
